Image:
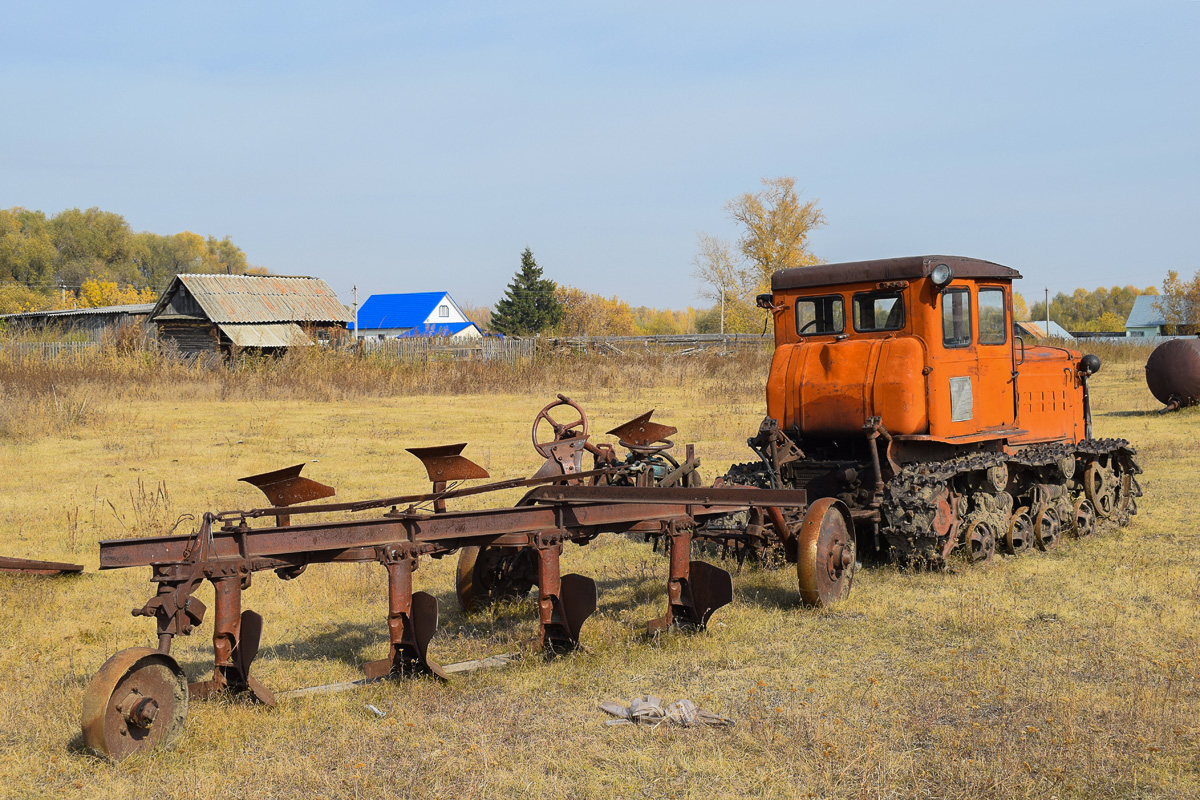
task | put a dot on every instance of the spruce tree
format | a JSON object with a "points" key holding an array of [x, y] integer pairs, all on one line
{"points": [[529, 305]]}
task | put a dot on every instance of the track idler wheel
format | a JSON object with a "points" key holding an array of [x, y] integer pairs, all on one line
{"points": [[1084, 519], [137, 701], [1019, 536], [1098, 489], [825, 550], [980, 542], [1046, 531]]}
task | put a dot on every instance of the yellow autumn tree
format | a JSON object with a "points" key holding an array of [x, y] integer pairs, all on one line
{"points": [[95, 293], [1180, 303], [587, 314], [663, 321], [1020, 307], [775, 227]]}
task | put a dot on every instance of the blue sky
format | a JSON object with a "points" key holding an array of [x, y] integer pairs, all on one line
{"points": [[406, 147]]}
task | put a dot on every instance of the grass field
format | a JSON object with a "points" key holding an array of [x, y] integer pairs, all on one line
{"points": [[1071, 674]]}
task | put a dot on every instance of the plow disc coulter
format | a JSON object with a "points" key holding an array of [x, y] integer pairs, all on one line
{"points": [[139, 698]]}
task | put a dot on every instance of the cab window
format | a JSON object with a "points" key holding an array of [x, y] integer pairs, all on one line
{"points": [[956, 318], [993, 324], [878, 311], [816, 315]]}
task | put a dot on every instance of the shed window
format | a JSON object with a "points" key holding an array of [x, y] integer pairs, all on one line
{"points": [[443, 311], [817, 315], [878, 311], [956, 318], [993, 327]]}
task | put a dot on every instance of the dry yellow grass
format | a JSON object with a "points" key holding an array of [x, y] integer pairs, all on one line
{"points": [[1072, 674]]}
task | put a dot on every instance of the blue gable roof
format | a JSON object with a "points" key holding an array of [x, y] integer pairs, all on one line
{"points": [[398, 310]]}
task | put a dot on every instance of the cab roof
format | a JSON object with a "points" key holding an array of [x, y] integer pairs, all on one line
{"points": [[886, 269]]}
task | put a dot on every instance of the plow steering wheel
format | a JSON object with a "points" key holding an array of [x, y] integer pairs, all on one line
{"points": [[561, 431]]}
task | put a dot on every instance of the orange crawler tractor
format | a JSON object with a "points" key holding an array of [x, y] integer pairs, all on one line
{"points": [[899, 394]]}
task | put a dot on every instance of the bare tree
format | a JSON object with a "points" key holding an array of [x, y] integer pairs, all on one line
{"points": [[726, 282], [1180, 304]]}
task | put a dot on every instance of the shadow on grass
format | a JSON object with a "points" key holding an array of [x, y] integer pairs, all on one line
{"points": [[76, 746], [343, 643]]}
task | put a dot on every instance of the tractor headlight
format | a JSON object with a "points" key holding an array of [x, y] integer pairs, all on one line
{"points": [[941, 275]]}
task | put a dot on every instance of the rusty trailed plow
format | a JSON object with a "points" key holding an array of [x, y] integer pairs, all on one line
{"points": [[139, 697]]}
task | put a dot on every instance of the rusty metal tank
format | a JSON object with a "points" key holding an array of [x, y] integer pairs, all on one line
{"points": [[1173, 373]]}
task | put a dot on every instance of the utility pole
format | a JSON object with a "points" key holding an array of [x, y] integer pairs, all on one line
{"points": [[1047, 310], [722, 309], [355, 312]]}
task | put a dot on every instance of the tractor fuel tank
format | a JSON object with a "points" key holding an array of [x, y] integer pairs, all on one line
{"points": [[832, 387]]}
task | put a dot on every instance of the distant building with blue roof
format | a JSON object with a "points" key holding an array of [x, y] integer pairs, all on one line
{"points": [[391, 316], [1146, 318]]}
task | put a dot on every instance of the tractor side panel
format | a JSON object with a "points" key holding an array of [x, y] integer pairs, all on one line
{"points": [[899, 391], [1050, 406]]}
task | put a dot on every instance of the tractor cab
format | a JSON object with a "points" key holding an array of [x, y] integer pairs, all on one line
{"points": [[925, 345]]}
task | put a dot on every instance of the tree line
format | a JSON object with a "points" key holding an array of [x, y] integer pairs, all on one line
{"points": [[76, 258], [1100, 310], [92, 258], [533, 304]]}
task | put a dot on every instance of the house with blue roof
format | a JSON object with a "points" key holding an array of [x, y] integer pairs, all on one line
{"points": [[391, 316]]}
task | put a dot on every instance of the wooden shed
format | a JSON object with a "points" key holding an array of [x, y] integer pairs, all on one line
{"points": [[217, 313], [93, 323]]}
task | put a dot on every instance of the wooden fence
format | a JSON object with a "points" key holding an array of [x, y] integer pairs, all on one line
{"points": [[48, 350], [426, 348], [489, 348], [492, 348]]}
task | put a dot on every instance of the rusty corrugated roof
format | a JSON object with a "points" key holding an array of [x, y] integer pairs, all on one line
{"points": [[264, 298], [273, 334]]}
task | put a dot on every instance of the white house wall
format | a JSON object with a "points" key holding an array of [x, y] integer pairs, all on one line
{"points": [[453, 314]]}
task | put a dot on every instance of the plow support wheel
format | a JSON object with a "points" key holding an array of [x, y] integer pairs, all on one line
{"points": [[137, 701], [825, 550]]}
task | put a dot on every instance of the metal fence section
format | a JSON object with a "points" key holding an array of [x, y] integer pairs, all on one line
{"points": [[47, 350], [674, 343], [426, 348]]}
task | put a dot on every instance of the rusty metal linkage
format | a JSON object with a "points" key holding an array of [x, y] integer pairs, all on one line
{"points": [[31, 567]]}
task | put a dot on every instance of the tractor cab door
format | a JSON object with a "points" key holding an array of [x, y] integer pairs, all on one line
{"points": [[995, 353], [976, 361]]}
